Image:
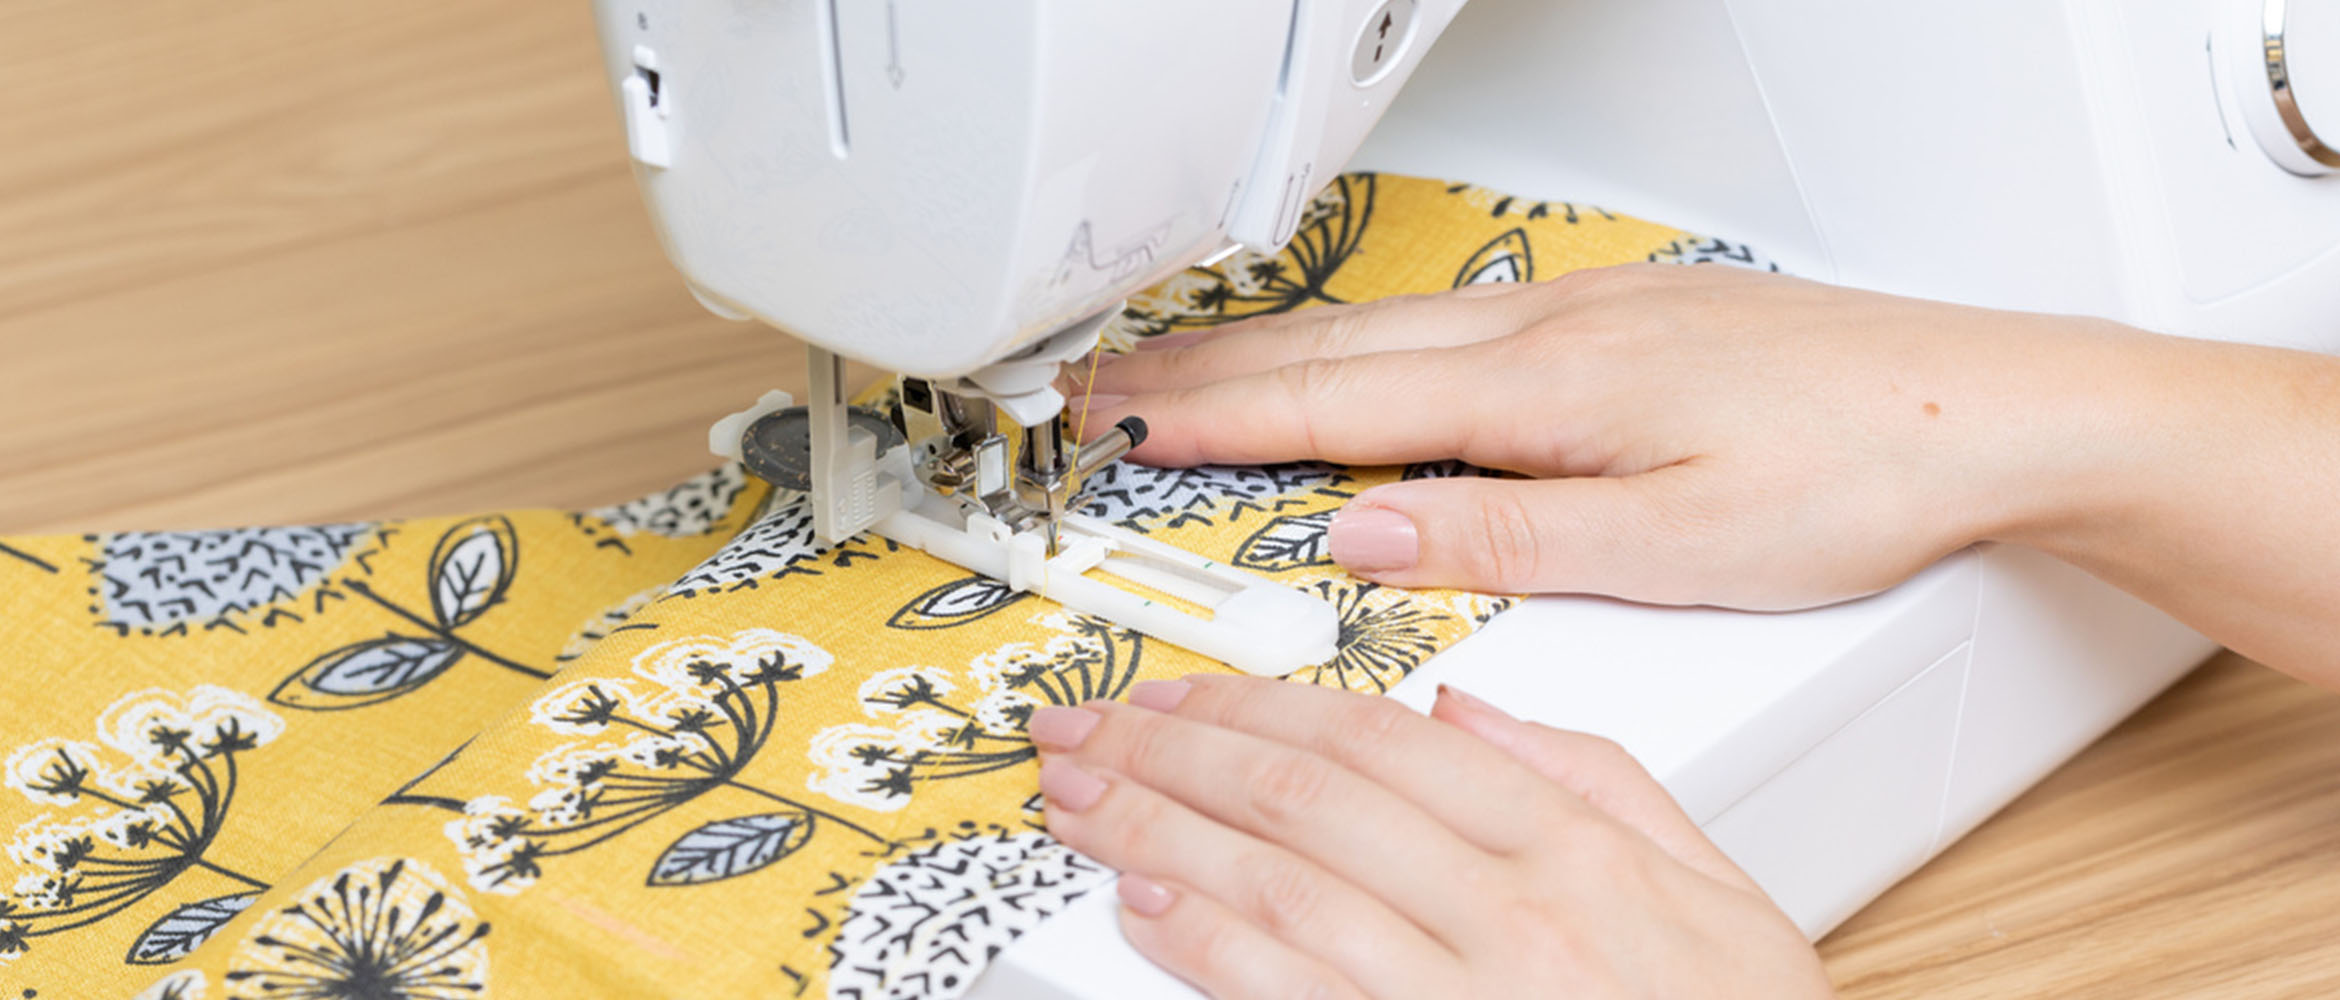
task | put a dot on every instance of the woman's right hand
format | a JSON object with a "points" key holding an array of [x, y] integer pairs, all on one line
{"points": [[1694, 435], [1706, 435]]}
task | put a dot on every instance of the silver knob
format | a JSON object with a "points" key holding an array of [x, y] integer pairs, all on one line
{"points": [[2274, 28], [2281, 60]]}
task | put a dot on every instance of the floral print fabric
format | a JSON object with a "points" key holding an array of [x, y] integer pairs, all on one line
{"points": [[663, 748]]}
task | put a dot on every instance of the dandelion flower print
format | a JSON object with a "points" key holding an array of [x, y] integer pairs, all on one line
{"points": [[387, 929]]}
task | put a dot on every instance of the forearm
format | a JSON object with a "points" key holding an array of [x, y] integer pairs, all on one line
{"points": [[2205, 479]]}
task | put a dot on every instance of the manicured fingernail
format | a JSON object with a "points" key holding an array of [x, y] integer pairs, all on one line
{"points": [[1160, 696], [1078, 373], [1169, 340], [1469, 701], [1148, 897], [1374, 539], [1059, 728], [1097, 401], [1067, 785]]}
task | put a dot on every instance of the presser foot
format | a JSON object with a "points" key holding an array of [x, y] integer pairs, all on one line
{"points": [[933, 503], [1246, 621]]}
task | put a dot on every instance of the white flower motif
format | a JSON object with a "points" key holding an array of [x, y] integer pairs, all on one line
{"points": [[559, 807], [874, 766], [584, 708], [572, 764], [675, 664], [1012, 665], [662, 751], [37, 891], [144, 724], [858, 766], [889, 691], [1003, 712], [39, 839], [488, 837], [53, 771], [133, 781]]}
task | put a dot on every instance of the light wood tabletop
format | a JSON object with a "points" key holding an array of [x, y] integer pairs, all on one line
{"points": [[279, 261]]}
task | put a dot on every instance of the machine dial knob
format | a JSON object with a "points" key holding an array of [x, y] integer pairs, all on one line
{"points": [[2280, 61]]}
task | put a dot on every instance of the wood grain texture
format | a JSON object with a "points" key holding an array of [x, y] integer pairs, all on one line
{"points": [[2194, 852], [277, 260]]}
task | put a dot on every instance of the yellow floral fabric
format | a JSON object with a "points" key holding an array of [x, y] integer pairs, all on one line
{"points": [[668, 748]]}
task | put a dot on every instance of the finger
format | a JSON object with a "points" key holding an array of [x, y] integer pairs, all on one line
{"points": [[1451, 319], [1216, 951], [1132, 828], [1321, 811], [1641, 537], [1476, 790], [1601, 773], [1395, 406]]}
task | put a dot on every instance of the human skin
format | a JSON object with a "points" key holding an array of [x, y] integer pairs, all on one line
{"points": [[1283, 840], [1672, 435], [1709, 435]]}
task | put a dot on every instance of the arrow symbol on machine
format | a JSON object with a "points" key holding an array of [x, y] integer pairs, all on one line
{"points": [[894, 47], [1383, 36]]}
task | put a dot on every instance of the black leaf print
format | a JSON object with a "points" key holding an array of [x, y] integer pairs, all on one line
{"points": [[1446, 469], [363, 673], [1247, 284], [779, 544], [924, 926], [955, 603], [471, 568], [1288, 542], [1504, 259], [1142, 498], [1706, 250], [159, 583], [726, 848], [34, 561], [178, 933]]}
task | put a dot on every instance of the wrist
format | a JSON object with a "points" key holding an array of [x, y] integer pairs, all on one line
{"points": [[2074, 412]]}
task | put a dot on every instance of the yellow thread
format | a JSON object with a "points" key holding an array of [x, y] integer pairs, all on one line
{"points": [[1081, 426]]}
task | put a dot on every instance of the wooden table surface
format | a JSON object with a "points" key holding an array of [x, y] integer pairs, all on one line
{"points": [[278, 260]]}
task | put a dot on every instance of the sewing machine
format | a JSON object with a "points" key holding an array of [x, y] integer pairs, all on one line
{"points": [[962, 193]]}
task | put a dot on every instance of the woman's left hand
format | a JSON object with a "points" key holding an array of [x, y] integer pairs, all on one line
{"points": [[1281, 840]]}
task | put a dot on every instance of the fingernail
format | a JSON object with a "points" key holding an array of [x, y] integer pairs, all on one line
{"points": [[1374, 539], [1148, 897], [1160, 696], [1470, 701], [1067, 785], [1059, 728], [1169, 340], [1096, 401], [1079, 373]]}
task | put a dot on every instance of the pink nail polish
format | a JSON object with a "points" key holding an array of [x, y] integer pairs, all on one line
{"points": [[1096, 401], [1144, 895], [1166, 341], [1059, 728], [1159, 696], [1067, 785], [1469, 701], [1374, 540]]}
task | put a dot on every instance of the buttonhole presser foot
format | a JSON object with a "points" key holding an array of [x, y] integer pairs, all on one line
{"points": [[938, 474]]}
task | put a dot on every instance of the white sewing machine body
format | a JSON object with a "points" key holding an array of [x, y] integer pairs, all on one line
{"points": [[947, 182]]}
